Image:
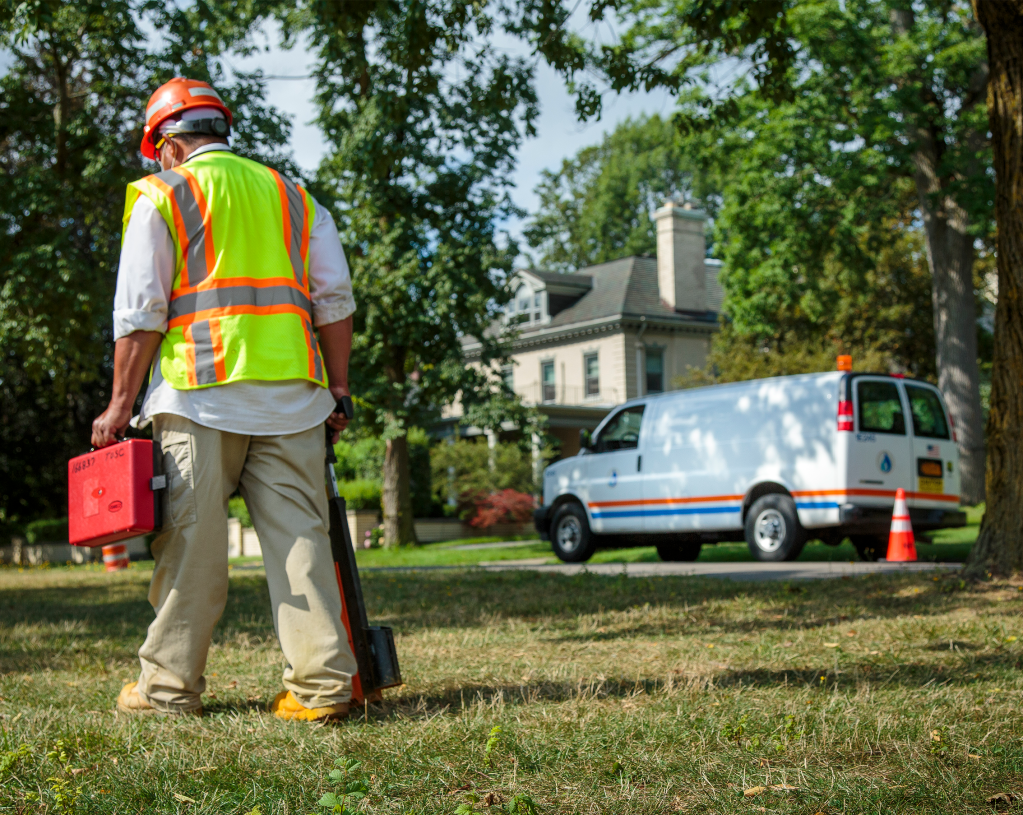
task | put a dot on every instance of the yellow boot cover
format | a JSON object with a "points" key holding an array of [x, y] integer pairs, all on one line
{"points": [[286, 706], [130, 701]]}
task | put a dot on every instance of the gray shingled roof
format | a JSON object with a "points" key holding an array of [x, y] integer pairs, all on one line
{"points": [[627, 286]]}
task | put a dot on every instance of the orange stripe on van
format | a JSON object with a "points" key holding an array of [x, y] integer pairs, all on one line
{"points": [[862, 493]]}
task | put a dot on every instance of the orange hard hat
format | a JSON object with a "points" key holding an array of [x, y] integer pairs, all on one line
{"points": [[173, 97]]}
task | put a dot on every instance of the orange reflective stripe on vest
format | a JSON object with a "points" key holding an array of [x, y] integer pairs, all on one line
{"points": [[296, 225], [192, 222]]}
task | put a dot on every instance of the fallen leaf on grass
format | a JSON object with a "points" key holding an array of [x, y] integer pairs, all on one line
{"points": [[202, 769], [462, 788], [1003, 798], [752, 792], [492, 799], [831, 645], [80, 770], [184, 798], [232, 684]]}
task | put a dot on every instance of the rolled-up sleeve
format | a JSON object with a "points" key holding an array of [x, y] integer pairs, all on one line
{"points": [[145, 273], [330, 282]]}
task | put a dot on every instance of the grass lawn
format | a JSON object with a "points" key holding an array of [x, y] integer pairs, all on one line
{"points": [[949, 545], [613, 695]]}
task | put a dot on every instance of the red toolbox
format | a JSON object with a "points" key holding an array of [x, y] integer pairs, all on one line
{"points": [[112, 493]]}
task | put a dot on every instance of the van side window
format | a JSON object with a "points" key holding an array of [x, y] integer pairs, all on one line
{"points": [[622, 431], [880, 408], [928, 417]]}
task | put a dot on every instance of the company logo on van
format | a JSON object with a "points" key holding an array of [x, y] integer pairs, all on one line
{"points": [[884, 462], [613, 479]]}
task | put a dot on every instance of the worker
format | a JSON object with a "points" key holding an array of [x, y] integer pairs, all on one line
{"points": [[233, 289]]}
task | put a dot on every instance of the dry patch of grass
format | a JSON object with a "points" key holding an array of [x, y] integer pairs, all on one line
{"points": [[611, 695]]}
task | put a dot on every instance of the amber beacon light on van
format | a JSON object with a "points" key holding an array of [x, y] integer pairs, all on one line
{"points": [[845, 407]]}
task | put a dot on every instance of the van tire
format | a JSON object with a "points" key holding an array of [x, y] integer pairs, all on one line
{"points": [[571, 538], [773, 531], [679, 552], [870, 548]]}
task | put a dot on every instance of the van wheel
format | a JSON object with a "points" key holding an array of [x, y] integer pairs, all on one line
{"points": [[675, 552], [571, 538], [773, 531], [869, 547]]}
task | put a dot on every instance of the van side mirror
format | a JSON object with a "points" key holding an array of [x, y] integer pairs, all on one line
{"points": [[585, 439]]}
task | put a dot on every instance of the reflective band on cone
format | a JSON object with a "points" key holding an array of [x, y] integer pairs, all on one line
{"points": [[901, 545], [115, 556]]}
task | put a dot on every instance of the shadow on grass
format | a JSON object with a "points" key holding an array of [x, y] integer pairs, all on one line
{"points": [[823, 680], [53, 618]]}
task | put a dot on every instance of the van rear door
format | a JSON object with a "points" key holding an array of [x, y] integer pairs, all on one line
{"points": [[880, 455], [935, 458]]}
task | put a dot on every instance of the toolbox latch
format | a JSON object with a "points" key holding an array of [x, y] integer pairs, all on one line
{"points": [[158, 482]]}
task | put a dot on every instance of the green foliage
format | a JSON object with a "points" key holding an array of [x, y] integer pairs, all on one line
{"points": [[598, 205], [63, 792], [493, 741], [352, 786], [50, 530], [423, 113], [467, 470], [363, 460], [361, 494], [9, 758], [71, 106], [236, 508]]}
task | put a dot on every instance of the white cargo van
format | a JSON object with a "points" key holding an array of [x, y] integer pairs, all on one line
{"points": [[776, 462]]}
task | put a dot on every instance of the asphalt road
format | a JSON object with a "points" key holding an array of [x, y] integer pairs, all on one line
{"points": [[730, 571]]}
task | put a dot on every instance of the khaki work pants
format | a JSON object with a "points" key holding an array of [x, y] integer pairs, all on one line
{"points": [[281, 479]]}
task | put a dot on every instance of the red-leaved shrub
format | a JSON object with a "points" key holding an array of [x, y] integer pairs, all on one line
{"points": [[506, 506]]}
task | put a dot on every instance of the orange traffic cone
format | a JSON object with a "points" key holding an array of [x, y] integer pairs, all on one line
{"points": [[901, 546], [115, 556]]}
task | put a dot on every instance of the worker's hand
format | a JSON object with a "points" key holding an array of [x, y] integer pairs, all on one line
{"points": [[110, 425], [337, 421]]}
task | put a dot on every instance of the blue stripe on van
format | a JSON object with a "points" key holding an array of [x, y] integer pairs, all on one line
{"points": [[646, 513], [816, 505]]}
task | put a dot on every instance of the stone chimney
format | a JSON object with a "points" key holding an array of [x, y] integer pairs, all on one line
{"points": [[681, 247]]}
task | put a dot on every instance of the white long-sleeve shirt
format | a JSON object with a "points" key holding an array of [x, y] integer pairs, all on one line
{"points": [[145, 277]]}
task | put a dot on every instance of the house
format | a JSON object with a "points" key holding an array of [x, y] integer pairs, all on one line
{"points": [[592, 339]]}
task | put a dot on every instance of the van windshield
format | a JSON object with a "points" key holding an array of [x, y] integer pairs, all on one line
{"points": [[880, 408], [622, 431], [928, 416]]}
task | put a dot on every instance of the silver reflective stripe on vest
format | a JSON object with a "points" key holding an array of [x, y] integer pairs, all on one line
{"points": [[228, 296], [296, 212], [205, 367], [195, 260], [311, 338]]}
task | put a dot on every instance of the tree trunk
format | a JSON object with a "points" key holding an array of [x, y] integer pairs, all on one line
{"points": [[999, 548], [397, 496], [950, 257]]}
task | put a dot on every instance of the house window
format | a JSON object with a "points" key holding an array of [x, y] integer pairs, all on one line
{"points": [[547, 377], [654, 370], [508, 378], [592, 368], [536, 308]]}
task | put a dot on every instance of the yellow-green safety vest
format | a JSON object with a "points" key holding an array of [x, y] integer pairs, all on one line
{"points": [[240, 306]]}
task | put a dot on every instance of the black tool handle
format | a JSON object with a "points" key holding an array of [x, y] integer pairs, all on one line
{"points": [[346, 408]]}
